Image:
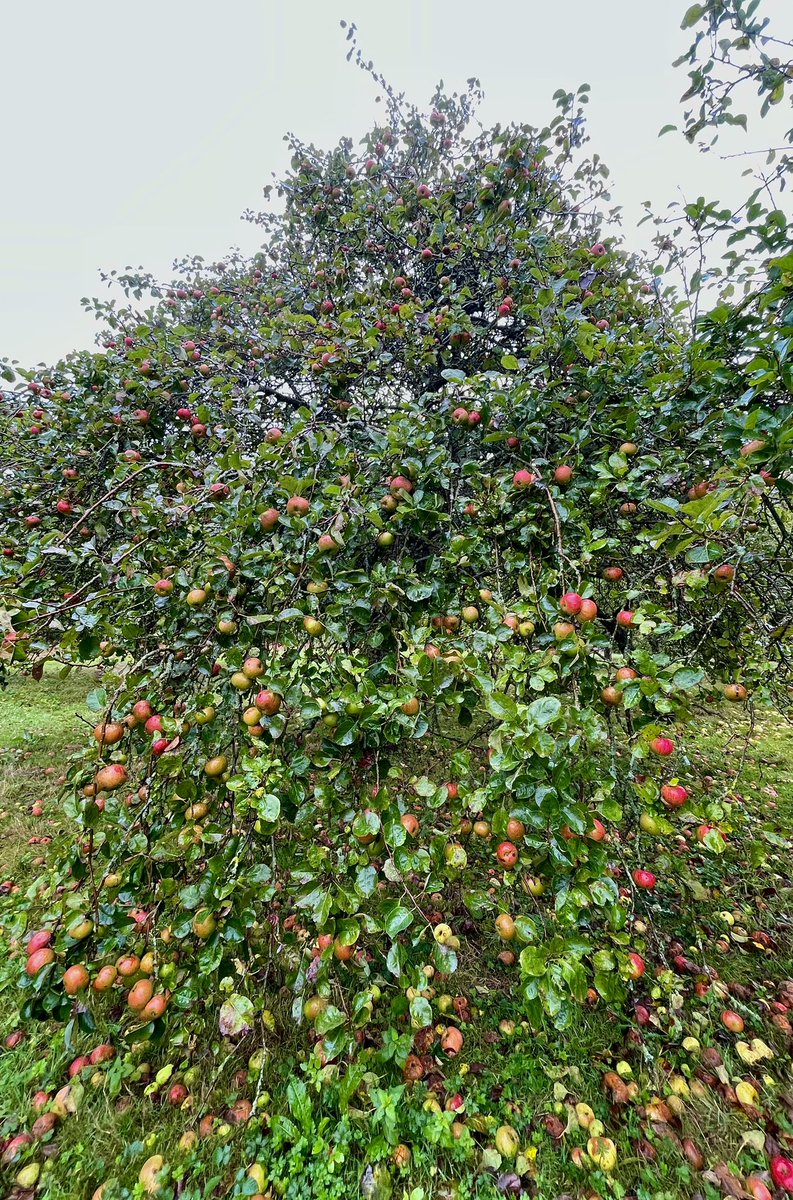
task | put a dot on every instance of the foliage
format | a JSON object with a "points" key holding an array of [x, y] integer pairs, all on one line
{"points": [[737, 50], [364, 530]]}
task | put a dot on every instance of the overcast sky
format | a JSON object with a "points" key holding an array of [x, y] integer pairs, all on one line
{"points": [[134, 134]]}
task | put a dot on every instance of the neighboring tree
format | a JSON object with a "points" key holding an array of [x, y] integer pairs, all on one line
{"points": [[407, 546]]}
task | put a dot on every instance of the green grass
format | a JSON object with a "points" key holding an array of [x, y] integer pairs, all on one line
{"points": [[39, 727], [314, 1143]]}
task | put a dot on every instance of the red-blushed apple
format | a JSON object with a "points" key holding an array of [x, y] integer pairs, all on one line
{"points": [[782, 1172], [297, 506], [598, 831], [733, 1021], [624, 618], [563, 474], [644, 879], [663, 746], [598, 250], [522, 479], [269, 518], [507, 854], [626, 674], [735, 692], [570, 603], [674, 795], [635, 966], [613, 574], [588, 611], [724, 573]]}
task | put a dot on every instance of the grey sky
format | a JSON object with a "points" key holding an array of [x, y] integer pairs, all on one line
{"points": [[134, 134]]}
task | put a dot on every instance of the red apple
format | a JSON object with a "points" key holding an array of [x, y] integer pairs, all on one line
{"points": [[673, 795], [570, 603], [635, 967], [507, 854], [733, 1021], [644, 879], [662, 746]]}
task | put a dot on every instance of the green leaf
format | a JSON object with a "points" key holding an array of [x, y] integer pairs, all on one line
{"points": [[420, 1012], [501, 707], [268, 807], [533, 960], [329, 1018], [687, 677], [509, 362], [694, 14], [545, 710], [396, 918], [366, 881], [96, 700]]}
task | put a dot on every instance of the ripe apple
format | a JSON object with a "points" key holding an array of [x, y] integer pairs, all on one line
{"points": [[588, 611], [624, 618], [612, 696], [400, 483], [663, 746], [733, 1021], [613, 574], [570, 603], [563, 474], [725, 573], [735, 692], [598, 831], [39, 959], [644, 879], [505, 927], [598, 250], [507, 854], [674, 795], [297, 506], [782, 1172], [522, 479], [635, 965], [269, 518]]}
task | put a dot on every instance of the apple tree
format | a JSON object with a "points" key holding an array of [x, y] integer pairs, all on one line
{"points": [[407, 548]]}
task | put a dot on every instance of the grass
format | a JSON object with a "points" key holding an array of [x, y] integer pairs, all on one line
{"points": [[315, 1141]]}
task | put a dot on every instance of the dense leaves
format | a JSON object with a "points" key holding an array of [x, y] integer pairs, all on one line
{"points": [[407, 546]]}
